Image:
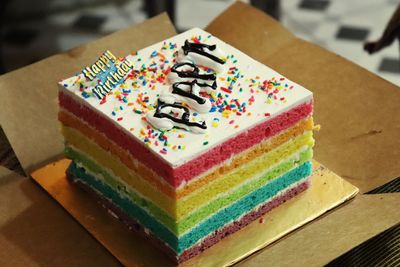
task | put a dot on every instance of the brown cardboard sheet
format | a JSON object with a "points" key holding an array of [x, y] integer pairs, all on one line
{"points": [[331, 236], [358, 111], [327, 191], [36, 231], [28, 96]]}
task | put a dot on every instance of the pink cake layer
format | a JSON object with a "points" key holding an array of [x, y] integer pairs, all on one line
{"points": [[209, 240], [185, 172]]}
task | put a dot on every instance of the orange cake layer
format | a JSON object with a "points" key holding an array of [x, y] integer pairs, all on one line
{"points": [[141, 170]]}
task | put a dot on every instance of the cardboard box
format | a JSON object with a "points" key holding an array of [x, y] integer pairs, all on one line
{"points": [[359, 113]]}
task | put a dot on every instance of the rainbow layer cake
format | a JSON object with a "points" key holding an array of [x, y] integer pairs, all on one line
{"points": [[188, 140]]}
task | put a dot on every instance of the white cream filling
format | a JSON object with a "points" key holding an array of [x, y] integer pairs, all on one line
{"points": [[134, 161], [294, 156], [193, 180], [200, 190], [101, 178]]}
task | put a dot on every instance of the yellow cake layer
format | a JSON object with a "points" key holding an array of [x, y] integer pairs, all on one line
{"points": [[109, 161], [240, 175], [180, 209], [137, 167], [246, 156], [141, 170]]}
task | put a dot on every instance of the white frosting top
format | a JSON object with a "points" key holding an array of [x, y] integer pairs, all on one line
{"points": [[247, 94]]}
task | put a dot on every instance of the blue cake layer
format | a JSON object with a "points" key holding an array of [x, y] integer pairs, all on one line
{"points": [[212, 223]]}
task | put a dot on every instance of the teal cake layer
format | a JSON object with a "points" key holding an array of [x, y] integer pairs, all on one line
{"points": [[206, 227], [179, 228]]}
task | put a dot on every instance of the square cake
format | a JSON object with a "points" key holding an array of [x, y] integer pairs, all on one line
{"points": [[188, 140]]}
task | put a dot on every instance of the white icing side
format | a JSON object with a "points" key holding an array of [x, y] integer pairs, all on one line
{"points": [[128, 104]]}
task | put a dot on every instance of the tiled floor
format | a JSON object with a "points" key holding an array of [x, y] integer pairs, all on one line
{"points": [[343, 26], [340, 26]]}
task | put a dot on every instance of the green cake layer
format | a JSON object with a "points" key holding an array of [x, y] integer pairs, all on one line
{"points": [[182, 226], [209, 225], [180, 208]]}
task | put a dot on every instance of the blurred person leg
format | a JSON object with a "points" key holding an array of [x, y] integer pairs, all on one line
{"points": [[155, 7], [271, 7], [391, 32]]}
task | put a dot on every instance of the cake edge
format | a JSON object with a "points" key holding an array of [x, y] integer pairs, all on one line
{"points": [[209, 240]]}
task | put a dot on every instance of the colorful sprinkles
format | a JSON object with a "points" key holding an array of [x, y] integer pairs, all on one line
{"points": [[232, 101]]}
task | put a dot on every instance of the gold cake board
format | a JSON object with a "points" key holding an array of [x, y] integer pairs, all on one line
{"points": [[326, 192]]}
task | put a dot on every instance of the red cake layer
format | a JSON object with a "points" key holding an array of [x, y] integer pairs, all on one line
{"points": [[209, 240], [196, 166]]}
